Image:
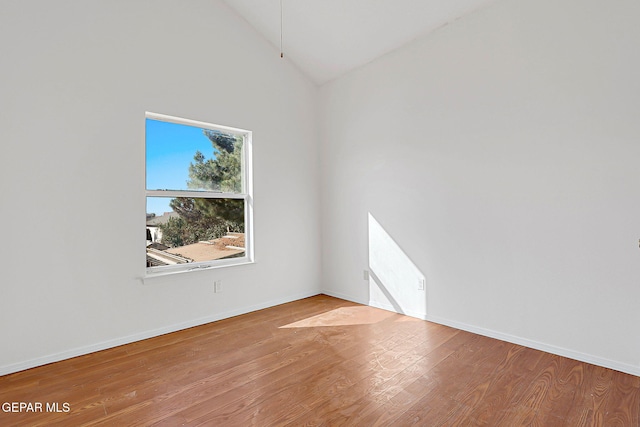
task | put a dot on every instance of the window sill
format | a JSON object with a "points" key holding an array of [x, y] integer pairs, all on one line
{"points": [[148, 277]]}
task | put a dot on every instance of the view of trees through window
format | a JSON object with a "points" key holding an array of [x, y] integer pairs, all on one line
{"points": [[195, 194], [201, 219]]}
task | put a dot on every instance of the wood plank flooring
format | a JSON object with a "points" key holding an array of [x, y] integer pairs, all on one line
{"points": [[322, 361]]}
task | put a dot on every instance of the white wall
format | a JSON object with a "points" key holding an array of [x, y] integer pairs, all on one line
{"points": [[496, 157], [75, 82], [501, 155]]}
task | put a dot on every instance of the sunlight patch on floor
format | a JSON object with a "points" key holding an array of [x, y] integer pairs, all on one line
{"points": [[344, 316]]}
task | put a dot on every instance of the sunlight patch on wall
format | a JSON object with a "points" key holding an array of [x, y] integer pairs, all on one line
{"points": [[394, 280]]}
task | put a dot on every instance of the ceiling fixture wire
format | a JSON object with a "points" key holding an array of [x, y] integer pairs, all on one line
{"points": [[281, 54]]}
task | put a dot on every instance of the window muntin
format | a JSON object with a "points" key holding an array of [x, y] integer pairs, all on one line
{"points": [[198, 194]]}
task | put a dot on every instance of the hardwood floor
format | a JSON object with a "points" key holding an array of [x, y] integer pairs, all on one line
{"points": [[322, 361]]}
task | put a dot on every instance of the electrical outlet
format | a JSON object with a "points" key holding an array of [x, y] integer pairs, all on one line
{"points": [[421, 283], [217, 286]]}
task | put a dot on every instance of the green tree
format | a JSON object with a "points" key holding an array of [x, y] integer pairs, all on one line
{"points": [[174, 232], [206, 219], [221, 173]]}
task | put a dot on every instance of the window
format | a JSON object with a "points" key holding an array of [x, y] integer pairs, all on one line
{"points": [[198, 195]]}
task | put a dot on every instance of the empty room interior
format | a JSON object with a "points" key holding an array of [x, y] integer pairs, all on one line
{"points": [[432, 215]]}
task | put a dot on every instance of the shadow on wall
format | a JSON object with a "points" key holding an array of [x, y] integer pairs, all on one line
{"points": [[395, 283]]}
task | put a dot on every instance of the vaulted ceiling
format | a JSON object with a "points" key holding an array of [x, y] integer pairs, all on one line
{"points": [[327, 38]]}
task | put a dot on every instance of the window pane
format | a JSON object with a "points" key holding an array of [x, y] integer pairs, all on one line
{"points": [[182, 157], [184, 230]]}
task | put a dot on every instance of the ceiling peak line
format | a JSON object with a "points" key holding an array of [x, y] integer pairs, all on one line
{"points": [[281, 50]]}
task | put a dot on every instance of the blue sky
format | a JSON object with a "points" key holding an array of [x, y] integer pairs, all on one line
{"points": [[169, 149]]}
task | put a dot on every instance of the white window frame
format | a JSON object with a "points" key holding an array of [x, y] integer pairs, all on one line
{"points": [[246, 195]]}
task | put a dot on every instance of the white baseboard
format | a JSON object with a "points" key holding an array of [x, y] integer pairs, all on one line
{"points": [[389, 307], [548, 348], [79, 351], [559, 351], [345, 297]]}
